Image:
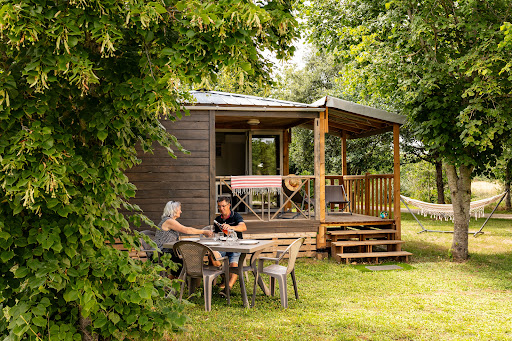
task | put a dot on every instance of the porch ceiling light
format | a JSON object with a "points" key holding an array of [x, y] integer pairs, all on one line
{"points": [[253, 122]]}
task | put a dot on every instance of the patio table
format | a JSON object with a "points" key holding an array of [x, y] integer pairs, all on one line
{"points": [[244, 250]]}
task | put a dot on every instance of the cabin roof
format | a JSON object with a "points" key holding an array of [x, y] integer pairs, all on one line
{"points": [[234, 111], [356, 119], [225, 99]]}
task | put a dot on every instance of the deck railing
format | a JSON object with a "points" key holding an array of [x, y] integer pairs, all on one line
{"points": [[272, 206], [369, 194]]}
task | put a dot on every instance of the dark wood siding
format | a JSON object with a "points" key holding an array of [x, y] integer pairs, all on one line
{"points": [[160, 178]]}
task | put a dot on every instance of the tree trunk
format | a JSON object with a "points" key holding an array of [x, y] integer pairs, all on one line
{"points": [[439, 182], [85, 322], [508, 180], [460, 188]]}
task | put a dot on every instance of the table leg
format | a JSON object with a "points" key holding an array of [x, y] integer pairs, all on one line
{"points": [[242, 280]]}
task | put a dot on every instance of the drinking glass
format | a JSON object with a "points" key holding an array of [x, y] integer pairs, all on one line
{"points": [[232, 237]]}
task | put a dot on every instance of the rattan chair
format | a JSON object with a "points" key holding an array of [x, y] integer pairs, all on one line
{"points": [[147, 248], [193, 255], [279, 272]]}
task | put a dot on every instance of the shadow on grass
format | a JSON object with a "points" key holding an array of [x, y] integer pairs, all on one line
{"points": [[496, 267], [427, 251], [490, 254]]}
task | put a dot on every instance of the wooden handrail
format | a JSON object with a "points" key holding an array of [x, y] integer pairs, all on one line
{"points": [[369, 194]]}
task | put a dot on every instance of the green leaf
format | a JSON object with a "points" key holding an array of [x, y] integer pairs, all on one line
{"points": [[4, 235], [191, 33], [245, 66], [131, 277], [158, 7], [39, 310], [64, 211], [17, 209], [100, 322], [52, 202], [145, 292], [70, 295], [114, 317], [131, 318], [6, 255], [39, 321], [35, 282], [167, 51], [102, 135], [21, 272], [48, 143], [181, 5]]}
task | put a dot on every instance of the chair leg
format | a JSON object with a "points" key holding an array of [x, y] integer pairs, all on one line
{"points": [[272, 286], [207, 285], [226, 280], [183, 283], [281, 279], [294, 280]]}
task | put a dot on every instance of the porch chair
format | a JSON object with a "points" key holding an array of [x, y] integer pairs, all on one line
{"points": [[298, 198], [279, 272], [148, 249], [193, 255], [335, 194]]}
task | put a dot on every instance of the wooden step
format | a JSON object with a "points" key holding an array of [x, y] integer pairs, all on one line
{"points": [[366, 242], [359, 232], [376, 255]]}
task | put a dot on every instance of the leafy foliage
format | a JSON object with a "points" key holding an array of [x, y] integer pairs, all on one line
{"points": [[81, 84], [448, 62], [320, 77]]}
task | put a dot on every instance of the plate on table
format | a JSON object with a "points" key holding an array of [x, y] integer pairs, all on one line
{"points": [[210, 243], [190, 239], [248, 242]]}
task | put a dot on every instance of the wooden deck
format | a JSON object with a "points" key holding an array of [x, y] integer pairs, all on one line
{"points": [[345, 219], [340, 232], [297, 225]]}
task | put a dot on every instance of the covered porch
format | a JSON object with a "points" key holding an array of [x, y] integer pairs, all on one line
{"points": [[231, 135], [271, 121]]}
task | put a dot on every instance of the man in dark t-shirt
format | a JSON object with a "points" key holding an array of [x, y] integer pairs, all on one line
{"points": [[232, 220]]}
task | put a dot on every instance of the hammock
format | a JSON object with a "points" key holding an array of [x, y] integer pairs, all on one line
{"points": [[445, 211]]}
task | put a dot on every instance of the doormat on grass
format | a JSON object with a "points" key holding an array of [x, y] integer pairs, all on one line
{"points": [[383, 267]]}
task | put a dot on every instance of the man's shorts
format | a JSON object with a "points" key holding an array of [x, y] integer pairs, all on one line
{"points": [[232, 256]]}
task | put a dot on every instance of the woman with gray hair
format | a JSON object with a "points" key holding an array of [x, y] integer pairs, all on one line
{"points": [[170, 230]]}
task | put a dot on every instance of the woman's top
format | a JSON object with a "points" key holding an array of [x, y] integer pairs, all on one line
{"points": [[162, 237]]}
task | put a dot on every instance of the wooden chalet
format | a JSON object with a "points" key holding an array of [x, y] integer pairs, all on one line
{"points": [[233, 135]]}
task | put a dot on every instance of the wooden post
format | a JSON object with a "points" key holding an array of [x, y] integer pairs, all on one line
{"points": [[212, 171], [367, 194], [319, 126], [326, 121], [286, 151], [396, 183], [287, 138], [344, 168]]}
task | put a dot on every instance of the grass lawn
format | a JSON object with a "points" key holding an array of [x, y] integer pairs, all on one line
{"points": [[435, 300]]}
